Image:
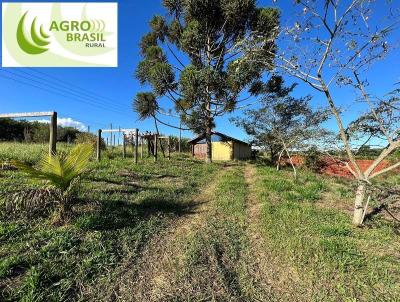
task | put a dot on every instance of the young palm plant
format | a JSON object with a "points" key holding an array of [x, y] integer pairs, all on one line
{"points": [[61, 172]]}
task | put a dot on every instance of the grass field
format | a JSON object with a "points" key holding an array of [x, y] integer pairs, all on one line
{"points": [[181, 230], [120, 207], [330, 259]]}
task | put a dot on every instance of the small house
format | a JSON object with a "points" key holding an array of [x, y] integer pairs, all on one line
{"points": [[223, 147]]}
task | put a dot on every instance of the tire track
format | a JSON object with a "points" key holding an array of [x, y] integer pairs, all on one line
{"points": [[274, 281], [151, 279]]}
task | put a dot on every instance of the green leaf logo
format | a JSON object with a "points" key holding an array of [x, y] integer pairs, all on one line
{"points": [[37, 43]]}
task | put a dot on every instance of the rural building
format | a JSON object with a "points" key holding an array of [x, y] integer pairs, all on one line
{"points": [[223, 147]]}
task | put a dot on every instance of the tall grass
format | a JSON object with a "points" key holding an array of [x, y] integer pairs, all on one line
{"points": [[30, 153]]}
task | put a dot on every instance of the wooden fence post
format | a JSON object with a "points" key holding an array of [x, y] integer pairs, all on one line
{"points": [[141, 146], [136, 144], [132, 144], [123, 146], [111, 135], [148, 144], [119, 135], [169, 148], [155, 146], [53, 134], [99, 145], [180, 136]]}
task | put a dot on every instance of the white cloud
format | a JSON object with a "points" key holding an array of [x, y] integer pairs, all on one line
{"points": [[69, 122], [66, 122]]}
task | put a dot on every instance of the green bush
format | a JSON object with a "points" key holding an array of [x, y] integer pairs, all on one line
{"points": [[87, 137], [314, 160]]}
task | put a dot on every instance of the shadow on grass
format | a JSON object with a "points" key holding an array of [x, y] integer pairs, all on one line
{"points": [[130, 177], [114, 215], [375, 212], [382, 211], [119, 182], [231, 164], [162, 176]]}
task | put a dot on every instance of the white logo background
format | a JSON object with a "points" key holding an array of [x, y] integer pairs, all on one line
{"points": [[59, 55]]}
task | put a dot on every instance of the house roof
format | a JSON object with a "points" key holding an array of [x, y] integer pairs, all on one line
{"points": [[224, 136]]}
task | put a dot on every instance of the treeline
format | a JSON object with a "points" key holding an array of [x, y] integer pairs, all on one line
{"points": [[33, 132], [37, 132], [364, 152]]}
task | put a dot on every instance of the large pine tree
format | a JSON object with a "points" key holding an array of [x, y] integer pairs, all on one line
{"points": [[193, 58]]}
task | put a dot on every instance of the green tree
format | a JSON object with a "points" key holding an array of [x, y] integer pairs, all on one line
{"points": [[89, 138], [11, 130], [283, 123], [35, 131], [212, 74], [40, 132], [66, 134]]}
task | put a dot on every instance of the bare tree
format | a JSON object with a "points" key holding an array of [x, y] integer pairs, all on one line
{"points": [[334, 43]]}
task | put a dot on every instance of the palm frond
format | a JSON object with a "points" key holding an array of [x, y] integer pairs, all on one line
{"points": [[61, 169], [78, 159]]}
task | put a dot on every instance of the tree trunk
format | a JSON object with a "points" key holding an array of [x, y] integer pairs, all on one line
{"points": [[272, 157], [278, 164], [359, 204], [65, 209], [293, 167], [208, 107], [291, 162], [208, 142], [342, 131]]}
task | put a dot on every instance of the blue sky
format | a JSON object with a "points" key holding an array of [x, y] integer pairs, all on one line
{"points": [[115, 88]]}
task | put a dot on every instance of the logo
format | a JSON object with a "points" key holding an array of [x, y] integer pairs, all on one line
{"points": [[38, 38], [59, 34], [91, 32]]}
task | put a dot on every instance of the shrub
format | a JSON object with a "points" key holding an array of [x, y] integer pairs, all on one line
{"points": [[314, 160], [88, 138]]}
